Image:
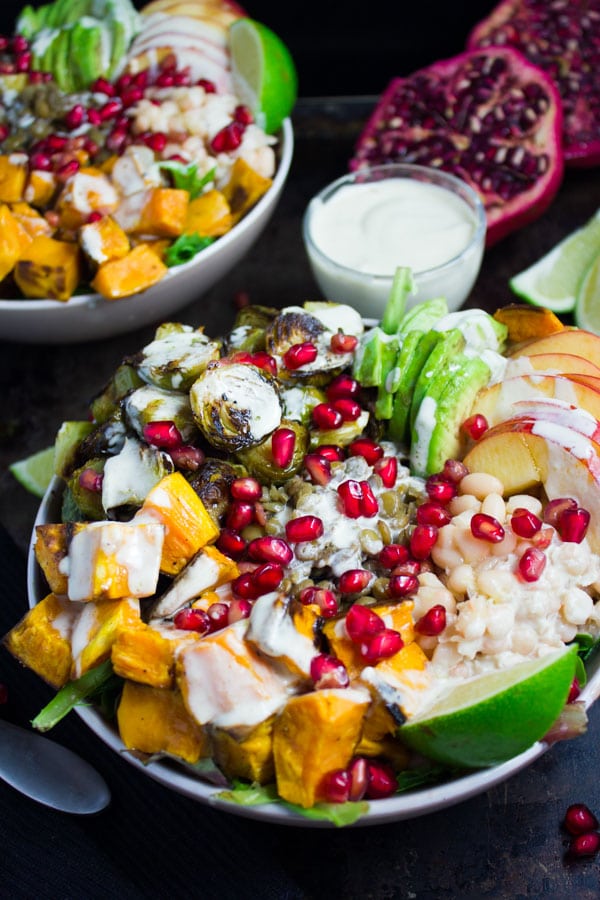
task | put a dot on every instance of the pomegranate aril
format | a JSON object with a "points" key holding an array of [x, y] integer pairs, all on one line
{"points": [[359, 775], [4, 132], [94, 118], [71, 167], [392, 555], [75, 117], [239, 515], [304, 528], [263, 360], [103, 86], [454, 470], [380, 646], [231, 543], [218, 613], [369, 505], [402, 585], [267, 577], [573, 524], [239, 608], [487, 528], [543, 538], [157, 141], [574, 691], [164, 434], [270, 549], [475, 426], [318, 467], [228, 138], [362, 623], [90, 480], [432, 513], [328, 672], [331, 452], [209, 86], [131, 95], [23, 62], [299, 355], [243, 586], [350, 493], [110, 109], [321, 597], [387, 469], [116, 140], [335, 786], [191, 619], [583, 845], [531, 564], [343, 343], [354, 580], [433, 621], [441, 490], [243, 115], [19, 44], [326, 416], [422, 540], [524, 523], [187, 457], [40, 161], [366, 448], [381, 782], [410, 567], [555, 508], [283, 443], [350, 410], [579, 819], [342, 386], [247, 488]]}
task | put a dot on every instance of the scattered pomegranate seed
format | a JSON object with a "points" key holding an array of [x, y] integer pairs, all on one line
{"points": [[116, 140], [299, 355], [362, 623], [554, 509], [433, 622], [23, 61], [543, 538], [164, 434], [111, 109], [392, 555], [350, 493], [359, 775], [239, 515], [410, 567], [402, 584], [157, 141], [231, 543], [486, 528], [243, 115], [208, 86], [35, 77], [432, 513], [574, 691], [3, 42], [167, 79], [90, 480], [573, 524], [583, 845], [243, 586], [326, 416], [369, 449], [263, 360], [75, 117], [103, 86], [387, 469], [131, 96], [350, 410], [369, 505], [422, 540], [475, 426], [304, 528], [7, 68], [228, 138], [246, 489], [343, 343], [381, 646], [218, 613], [94, 117], [441, 490], [579, 819], [342, 386], [270, 549], [19, 44], [318, 467], [381, 780], [524, 523], [283, 444], [40, 161], [328, 672], [94, 216], [335, 786], [454, 470], [191, 619], [267, 577], [532, 563], [67, 170], [354, 580], [331, 452], [239, 608], [241, 299], [187, 457]]}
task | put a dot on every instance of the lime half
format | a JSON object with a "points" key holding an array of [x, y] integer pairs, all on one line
{"points": [[35, 472], [264, 74], [587, 307], [496, 716], [553, 280]]}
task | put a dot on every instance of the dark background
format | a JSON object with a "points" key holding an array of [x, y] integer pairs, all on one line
{"points": [[347, 48]]}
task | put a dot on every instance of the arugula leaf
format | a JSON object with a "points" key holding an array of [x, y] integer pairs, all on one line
{"points": [[586, 644], [94, 684], [185, 176], [409, 779], [257, 794], [185, 248]]}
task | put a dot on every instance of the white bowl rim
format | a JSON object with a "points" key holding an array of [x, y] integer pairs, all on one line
{"points": [[402, 170], [80, 300]]}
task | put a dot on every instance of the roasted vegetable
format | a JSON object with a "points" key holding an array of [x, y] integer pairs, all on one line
{"points": [[40, 644], [260, 461], [137, 271], [13, 176], [103, 240], [176, 358], [13, 240], [208, 215], [212, 482], [163, 213], [49, 268], [244, 189]]}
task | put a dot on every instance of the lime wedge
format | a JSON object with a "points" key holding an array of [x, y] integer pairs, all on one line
{"points": [[264, 74], [587, 307], [35, 472], [554, 279], [491, 718]]}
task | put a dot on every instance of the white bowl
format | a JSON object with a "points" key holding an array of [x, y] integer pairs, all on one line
{"points": [[89, 317], [353, 269], [409, 805]]}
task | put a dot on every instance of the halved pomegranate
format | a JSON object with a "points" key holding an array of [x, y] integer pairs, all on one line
{"points": [[488, 116], [562, 39]]}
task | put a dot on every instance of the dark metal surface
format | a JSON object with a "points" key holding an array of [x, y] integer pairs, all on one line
{"points": [[152, 843]]}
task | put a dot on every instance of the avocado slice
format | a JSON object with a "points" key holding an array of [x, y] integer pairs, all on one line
{"points": [[424, 315], [376, 357], [413, 354], [90, 43], [439, 360], [61, 66], [120, 37]]}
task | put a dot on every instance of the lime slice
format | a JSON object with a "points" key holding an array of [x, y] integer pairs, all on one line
{"points": [[553, 280], [587, 307], [264, 74], [496, 716], [35, 472]]}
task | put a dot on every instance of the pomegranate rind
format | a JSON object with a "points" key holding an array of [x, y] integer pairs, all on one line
{"points": [[459, 137], [529, 26]]}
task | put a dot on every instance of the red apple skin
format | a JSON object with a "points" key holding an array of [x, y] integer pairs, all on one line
{"points": [[557, 363], [576, 341], [498, 401]]}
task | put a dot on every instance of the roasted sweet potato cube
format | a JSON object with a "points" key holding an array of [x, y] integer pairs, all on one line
{"points": [[155, 720], [188, 525], [164, 212], [208, 215], [13, 241], [13, 176], [315, 734], [50, 548], [131, 274], [244, 188], [33, 223], [41, 640], [144, 655], [525, 322], [103, 240], [49, 268], [250, 757], [406, 664], [40, 188], [97, 629], [395, 615]]}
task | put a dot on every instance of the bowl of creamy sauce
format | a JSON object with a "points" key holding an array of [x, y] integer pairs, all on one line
{"points": [[364, 225]]}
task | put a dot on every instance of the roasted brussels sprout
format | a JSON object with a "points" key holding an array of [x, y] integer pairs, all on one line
{"points": [[132, 473], [105, 404], [153, 404], [212, 482], [342, 436], [235, 405], [292, 326], [259, 459], [300, 400], [104, 440], [85, 489], [174, 360], [249, 328]]}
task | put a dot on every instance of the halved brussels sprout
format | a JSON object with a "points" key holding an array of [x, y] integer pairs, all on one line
{"points": [[130, 475], [105, 404], [105, 440], [176, 359], [153, 404], [235, 405], [249, 329], [292, 326], [259, 459], [342, 436], [300, 400], [212, 482], [89, 502]]}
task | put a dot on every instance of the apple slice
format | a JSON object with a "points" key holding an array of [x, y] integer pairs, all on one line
{"points": [[552, 364], [497, 401], [570, 340]]}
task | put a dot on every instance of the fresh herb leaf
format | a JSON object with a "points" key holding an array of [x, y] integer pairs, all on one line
{"points": [[185, 177], [83, 689], [586, 644], [250, 794], [257, 794], [409, 779], [185, 248]]}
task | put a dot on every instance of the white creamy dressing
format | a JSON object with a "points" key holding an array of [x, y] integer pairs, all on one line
{"points": [[85, 628], [154, 404], [425, 422], [179, 355], [273, 632], [135, 171], [65, 620], [86, 193], [376, 226], [201, 574], [241, 387], [132, 473]]}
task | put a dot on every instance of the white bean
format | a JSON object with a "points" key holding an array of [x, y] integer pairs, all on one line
{"points": [[472, 549], [481, 484], [446, 557], [463, 502], [461, 579], [494, 505], [524, 501]]}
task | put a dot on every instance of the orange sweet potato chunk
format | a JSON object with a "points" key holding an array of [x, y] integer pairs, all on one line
{"points": [[133, 273]]}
